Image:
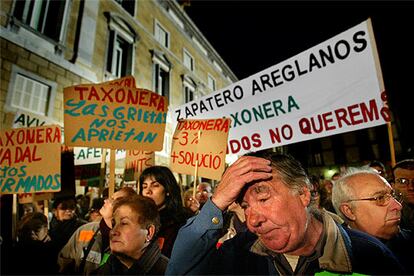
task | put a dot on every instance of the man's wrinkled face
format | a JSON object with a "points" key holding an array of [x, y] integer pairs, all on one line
{"points": [[404, 182], [276, 214], [379, 221]]}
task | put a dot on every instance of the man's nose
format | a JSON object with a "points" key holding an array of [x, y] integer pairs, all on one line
{"points": [[395, 205], [255, 218]]}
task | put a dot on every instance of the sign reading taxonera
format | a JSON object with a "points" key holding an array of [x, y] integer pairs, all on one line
{"points": [[116, 117], [30, 160], [199, 146], [332, 88]]}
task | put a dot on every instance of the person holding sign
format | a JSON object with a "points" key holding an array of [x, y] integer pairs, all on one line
{"points": [[286, 236]]}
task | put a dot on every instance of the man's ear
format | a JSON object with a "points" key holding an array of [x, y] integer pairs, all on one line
{"points": [[151, 232], [305, 196], [347, 211]]}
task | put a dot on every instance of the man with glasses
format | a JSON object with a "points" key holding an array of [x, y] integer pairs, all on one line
{"points": [[203, 193], [367, 202], [403, 173]]}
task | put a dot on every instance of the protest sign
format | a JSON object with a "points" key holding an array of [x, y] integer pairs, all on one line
{"points": [[332, 88], [30, 160], [136, 161], [33, 197], [199, 146], [115, 117], [128, 81], [84, 156]]}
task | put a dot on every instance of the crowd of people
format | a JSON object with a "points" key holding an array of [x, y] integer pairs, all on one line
{"points": [[266, 216]]}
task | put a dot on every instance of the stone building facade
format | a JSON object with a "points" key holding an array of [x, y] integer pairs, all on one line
{"points": [[48, 45]]}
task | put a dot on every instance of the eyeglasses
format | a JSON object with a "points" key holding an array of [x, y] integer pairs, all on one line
{"points": [[382, 200], [404, 181]]}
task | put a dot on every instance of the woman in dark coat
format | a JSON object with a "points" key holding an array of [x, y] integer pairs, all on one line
{"points": [[34, 253], [159, 183]]}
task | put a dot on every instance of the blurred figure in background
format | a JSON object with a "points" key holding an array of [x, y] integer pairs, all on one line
{"points": [[203, 193], [378, 167], [190, 202], [94, 214], [34, 252], [159, 184], [65, 221], [403, 173]]}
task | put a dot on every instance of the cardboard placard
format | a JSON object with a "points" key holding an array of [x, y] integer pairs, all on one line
{"points": [[30, 160], [136, 161], [331, 88], [115, 117], [199, 147]]}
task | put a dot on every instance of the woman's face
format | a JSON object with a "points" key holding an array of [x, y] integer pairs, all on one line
{"points": [[127, 235], [154, 190]]}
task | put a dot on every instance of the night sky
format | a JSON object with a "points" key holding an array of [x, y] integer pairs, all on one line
{"points": [[251, 36]]}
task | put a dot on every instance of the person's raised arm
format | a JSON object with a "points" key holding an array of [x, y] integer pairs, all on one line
{"points": [[245, 170], [195, 247]]}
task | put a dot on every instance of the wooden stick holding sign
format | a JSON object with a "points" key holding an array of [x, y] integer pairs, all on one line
{"points": [[111, 173], [196, 168], [391, 142]]}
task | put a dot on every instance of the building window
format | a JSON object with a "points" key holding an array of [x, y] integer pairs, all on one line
{"points": [[189, 87], [161, 35], [188, 60], [120, 54], [128, 5], [211, 83], [161, 74], [30, 92], [44, 16]]}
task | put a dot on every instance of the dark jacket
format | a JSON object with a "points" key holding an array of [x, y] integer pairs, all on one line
{"points": [[170, 224], [152, 262], [402, 245], [341, 250], [61, 231], [33, 258]]}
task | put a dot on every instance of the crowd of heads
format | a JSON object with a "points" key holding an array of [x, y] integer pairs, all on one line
{"points": [[365, 198]]}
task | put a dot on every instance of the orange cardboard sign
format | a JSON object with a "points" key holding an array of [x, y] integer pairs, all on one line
{"points": [[115, 117], [200, 145], [30, 160], [137, 161]]}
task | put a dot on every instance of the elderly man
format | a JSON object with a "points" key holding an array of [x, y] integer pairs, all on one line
{"points": [[203, 193], [367, 202], [286, 235], [403, 173]]}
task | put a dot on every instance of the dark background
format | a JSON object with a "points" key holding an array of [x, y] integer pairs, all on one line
{"points": [[251, 36]]}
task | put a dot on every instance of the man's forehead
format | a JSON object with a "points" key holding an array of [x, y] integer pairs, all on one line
{"points": [[369, 182], [258, 188], [400, 172]]}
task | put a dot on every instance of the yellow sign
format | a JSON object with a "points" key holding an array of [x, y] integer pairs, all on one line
{"points": [[30, 160], [136, 161], [116, 117], [200, 146]]}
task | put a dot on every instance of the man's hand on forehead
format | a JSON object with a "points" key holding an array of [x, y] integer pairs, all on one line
{"points": [[245, 170]]}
